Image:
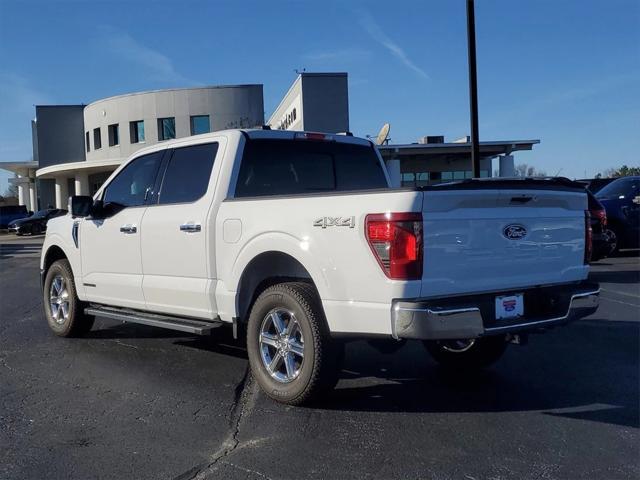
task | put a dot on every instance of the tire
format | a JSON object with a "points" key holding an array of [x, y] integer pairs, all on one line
{"points": [[467, 355], [615, 242], [60, 290], [304, 360]]}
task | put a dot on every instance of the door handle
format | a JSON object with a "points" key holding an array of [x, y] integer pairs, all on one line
{"points": [[128, 228], [190, 227]]}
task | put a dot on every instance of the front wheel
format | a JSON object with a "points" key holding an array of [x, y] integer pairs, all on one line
{"points": [[467, 354], [64, 311], [290, 351]]}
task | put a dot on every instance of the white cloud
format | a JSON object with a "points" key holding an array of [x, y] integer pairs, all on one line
{"points": [[369, 24], [158, 66]]}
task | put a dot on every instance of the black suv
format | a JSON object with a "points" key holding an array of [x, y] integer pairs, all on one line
{"points": [[36, 223]]}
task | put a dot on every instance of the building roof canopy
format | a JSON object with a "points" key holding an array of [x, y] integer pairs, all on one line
{"points": [[487, 149]]}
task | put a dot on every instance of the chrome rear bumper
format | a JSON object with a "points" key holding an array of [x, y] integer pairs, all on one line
{"points": [[470, 317]]}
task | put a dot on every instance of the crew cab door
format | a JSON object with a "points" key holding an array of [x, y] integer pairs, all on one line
{"points": [[110, 242], [176, 263]]}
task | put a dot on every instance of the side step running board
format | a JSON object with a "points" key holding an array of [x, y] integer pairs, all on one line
{"points": [[182, 324]]}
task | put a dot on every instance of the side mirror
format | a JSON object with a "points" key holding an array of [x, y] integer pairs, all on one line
{"points": [[80, 205]]}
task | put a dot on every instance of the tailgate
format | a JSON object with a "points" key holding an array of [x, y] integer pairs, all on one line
{"points": [[501, 239]]}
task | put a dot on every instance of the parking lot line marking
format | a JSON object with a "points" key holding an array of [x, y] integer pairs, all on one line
{"points": [[620, 293], [623, 303]]}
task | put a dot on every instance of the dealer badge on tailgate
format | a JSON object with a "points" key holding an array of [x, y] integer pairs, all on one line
{"points": [[509, 306]]}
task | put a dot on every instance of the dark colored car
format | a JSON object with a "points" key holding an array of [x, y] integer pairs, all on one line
{"points": [[595, 184], [36, 223], [9, 213], [604, 240], [621, 199]]}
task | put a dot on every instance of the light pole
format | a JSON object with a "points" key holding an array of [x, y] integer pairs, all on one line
{"points": [[473, 88]]}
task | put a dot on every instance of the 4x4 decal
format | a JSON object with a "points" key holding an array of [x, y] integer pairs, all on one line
{"points": [[325, 222]]}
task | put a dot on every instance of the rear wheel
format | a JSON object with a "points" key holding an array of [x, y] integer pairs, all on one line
{"points": [[467, 354], [64, 311], [613, 242], [290, 351]]}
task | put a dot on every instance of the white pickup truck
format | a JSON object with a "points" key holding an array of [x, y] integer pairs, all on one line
{"points": [[298, 238]]}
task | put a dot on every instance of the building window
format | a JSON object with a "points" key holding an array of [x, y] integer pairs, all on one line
{"points": [[97, 139], [166, 128], [422, 179], [114, 135], [86, 138], [136, 131], [200, 124], [408, 179]]}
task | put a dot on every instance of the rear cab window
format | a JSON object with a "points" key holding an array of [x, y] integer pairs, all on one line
{"points": [[273, 167]]}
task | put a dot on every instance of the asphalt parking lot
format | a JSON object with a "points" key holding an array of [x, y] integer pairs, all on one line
{"points": [[137, 402]]}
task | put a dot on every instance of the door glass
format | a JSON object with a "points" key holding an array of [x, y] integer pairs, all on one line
{"points": [[187, 176], [134, 183]]}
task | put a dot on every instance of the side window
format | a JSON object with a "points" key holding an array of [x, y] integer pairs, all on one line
{"points": [[134, 183], [187, 175]]}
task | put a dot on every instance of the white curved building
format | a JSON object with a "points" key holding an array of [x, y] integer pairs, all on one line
{"points": [[78, 162]]}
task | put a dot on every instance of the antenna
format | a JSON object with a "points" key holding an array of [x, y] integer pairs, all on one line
{"points": [[299, 71], [383, 136]]}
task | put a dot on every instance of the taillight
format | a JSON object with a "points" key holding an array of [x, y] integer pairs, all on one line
{"points": [[588, 237], [396, 242], [601, 215]]}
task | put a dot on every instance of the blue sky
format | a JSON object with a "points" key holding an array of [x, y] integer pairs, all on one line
{"points": [[564, 71]]}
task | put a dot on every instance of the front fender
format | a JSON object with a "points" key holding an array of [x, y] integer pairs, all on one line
{"points": [[59, 234]]}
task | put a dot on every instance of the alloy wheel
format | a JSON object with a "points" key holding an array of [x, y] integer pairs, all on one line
{"points": [[281, 345], [59, 299]]}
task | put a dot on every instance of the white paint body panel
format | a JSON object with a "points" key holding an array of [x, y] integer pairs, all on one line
{"points": [[198, 274], [179, 267], [111, 262], [355, 292], [465, 250]]}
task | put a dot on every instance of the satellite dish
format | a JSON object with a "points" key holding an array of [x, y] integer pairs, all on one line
{"points": [[383, 136]]}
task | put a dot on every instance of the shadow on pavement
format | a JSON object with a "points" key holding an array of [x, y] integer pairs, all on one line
{"points": [[589, 370], [579, 376], [618, 276], [221, 341], [130, 331]]}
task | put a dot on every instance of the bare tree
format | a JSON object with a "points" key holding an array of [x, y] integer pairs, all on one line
{"points": [[11, 191], [525, 170], [623, 171]]}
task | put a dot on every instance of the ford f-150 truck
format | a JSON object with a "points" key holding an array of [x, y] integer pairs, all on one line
{"points": [[297, 238]]}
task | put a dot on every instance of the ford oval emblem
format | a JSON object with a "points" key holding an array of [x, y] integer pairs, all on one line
{"points": [[514, 231]]}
